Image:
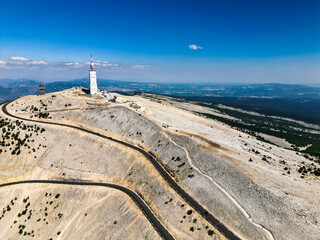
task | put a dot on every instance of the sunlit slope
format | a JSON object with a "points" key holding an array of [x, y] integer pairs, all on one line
{"points": [[222, 168]]}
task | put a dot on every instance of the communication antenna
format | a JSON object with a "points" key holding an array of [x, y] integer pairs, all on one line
{"points": [[91, 64]]}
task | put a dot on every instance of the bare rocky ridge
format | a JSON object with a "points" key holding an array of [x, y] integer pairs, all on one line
{"points": [[208, 159]]}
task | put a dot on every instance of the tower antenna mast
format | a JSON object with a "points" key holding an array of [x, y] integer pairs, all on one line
{"points": [[91, 65]]}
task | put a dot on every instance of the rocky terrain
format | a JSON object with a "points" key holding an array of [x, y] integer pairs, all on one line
{"points": [[252, 187], [51, 212]]}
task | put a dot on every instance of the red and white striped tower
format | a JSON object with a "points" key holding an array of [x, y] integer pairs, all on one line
{"points": [[91, 64]]}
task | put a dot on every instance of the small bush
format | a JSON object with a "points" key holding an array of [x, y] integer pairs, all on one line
{"points": [[181, 164]]}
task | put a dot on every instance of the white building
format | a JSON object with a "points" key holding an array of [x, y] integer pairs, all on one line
{"points": [[93, 79], [135, 105]]}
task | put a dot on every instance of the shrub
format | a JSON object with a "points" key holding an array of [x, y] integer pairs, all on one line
{"points": [[181, 164]]}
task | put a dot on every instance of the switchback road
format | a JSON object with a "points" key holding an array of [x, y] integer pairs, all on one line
{"points": [[192, 202], [157, 225]]}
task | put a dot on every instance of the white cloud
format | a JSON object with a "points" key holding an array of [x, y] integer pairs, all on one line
{"points": [[107, 65], [19, 58], [37, 63], [69, 66], [77, 65], [194, 47], [141, 66], [74, 64], [3, 64]]}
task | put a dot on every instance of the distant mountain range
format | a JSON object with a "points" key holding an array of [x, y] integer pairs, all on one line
{"points": [[10, 89]]}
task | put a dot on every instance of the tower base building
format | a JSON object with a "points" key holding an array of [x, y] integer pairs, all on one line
{"points": [[93, 82], [93, 79]]}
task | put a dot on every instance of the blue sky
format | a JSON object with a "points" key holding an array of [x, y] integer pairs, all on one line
{"points": [[164, 41]]}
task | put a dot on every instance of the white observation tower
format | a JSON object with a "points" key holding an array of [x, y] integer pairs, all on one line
{"points": [[93, 79]]}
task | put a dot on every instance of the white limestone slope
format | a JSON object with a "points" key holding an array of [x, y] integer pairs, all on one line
{"points": [[210, 161], [67, 154]]}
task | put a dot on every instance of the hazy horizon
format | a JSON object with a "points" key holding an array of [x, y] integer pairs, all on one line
{"points": [[208, 84]]}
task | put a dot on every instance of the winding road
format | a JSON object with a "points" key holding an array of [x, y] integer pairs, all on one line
{"points": [[157, 225], [192, 202]]}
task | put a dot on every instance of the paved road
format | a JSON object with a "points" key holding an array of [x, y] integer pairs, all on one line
{"points": [[157, 225], [193, 203]]}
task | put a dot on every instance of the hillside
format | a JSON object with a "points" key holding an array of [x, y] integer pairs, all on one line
{"points": [[239, 179]]}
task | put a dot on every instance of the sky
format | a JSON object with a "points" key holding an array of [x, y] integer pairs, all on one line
{"points": [[175, 41]]}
